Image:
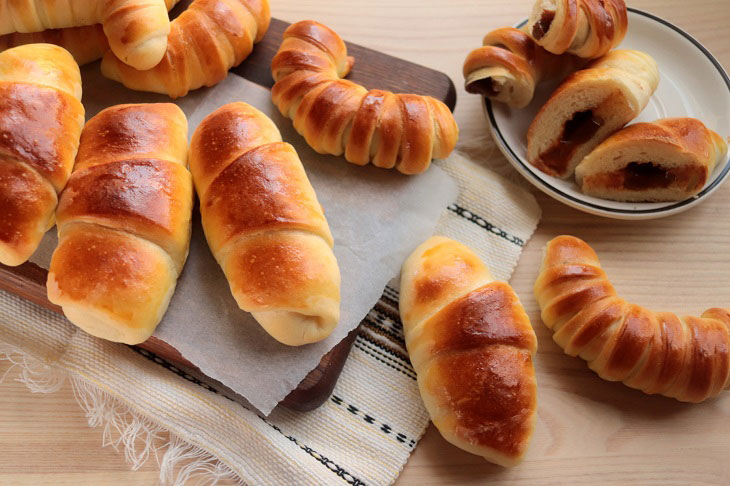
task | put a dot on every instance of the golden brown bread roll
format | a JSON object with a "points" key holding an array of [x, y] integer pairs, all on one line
{"points": [[264, 225], [655, 352], [587, 107], [666, 160], [510, 64], [585, 28], [41, 117], [86, 44], [337, 116], [124, 222], [205, 41], [471, 344], [137, 29]]}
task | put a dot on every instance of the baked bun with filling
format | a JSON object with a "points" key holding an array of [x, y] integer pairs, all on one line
{"points": [[667, 160]]}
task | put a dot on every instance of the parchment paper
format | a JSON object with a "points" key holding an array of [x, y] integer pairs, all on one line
{"points": [[376, 216]]}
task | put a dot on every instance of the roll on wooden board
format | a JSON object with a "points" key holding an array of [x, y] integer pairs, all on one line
{"points": [[124, 222], [264, 225]]}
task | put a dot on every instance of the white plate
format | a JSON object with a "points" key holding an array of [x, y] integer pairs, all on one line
{"points": [[692, 83]]}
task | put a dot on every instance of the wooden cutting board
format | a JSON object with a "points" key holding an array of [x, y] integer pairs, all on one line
{"points": [[372, 69]]}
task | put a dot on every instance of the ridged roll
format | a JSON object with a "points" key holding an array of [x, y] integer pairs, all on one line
{"points": [[264, 225], [336, 116], [471, 344], [685, 358]]}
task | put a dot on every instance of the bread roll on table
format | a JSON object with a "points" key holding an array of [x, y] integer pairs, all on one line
{"points": [[137, 29], [41, 117], [206, 40], [124, 222], [471, 344], [86, 43], [685, 358], [264, 225]]}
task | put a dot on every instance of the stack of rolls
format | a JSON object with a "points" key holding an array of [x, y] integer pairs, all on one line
{"points": [[141, 47]]}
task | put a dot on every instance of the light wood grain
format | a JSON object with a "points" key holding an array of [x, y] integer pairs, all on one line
{"points": [[588, 431]]}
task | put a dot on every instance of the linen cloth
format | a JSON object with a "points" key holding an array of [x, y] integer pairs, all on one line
{"points": [[362, 435]]}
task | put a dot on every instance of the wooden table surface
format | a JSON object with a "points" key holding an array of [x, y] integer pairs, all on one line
{"points": [[588, 431]]}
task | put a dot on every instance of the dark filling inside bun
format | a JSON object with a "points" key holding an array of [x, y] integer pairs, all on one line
{"points": [[645, 175], [542, 26], [485, 86], [578, 130]]}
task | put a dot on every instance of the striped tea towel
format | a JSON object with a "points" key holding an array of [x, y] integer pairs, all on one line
{"points": [[362, 435]]}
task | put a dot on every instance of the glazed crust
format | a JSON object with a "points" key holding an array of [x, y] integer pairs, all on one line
{"points": [[137, 196], [585, 28], [111, 284], [677, 155], [471, 344], [336, 116], [656, 352], [27, 201], [155, 131], [40, 121], [137, 29], [124, 222], [264, 225], [510, 64], [205, 41]]}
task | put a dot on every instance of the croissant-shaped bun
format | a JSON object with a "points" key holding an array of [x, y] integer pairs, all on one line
{"points": [[666, 160], [86, 44], [656, 352], [337, 116], [471, 344], [510, 64], [264, 225], [124, 222], [137, 29], [41, 117], [205, 41], [588, 107], [585, 28]]}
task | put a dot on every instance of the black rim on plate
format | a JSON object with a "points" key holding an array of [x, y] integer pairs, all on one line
{"points": [[503, 142]]}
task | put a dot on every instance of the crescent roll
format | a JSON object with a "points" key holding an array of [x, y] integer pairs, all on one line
{"points": [[471, 344], [264, 225], [510, 64], [685, 358], [336, 116], [585, 28], [587, 107], [667, 160], [137, 29], [41, 117], [205, 41], [124, 222]]}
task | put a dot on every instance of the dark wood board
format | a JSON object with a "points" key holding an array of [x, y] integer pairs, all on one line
{"points": [[372, 69]]}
